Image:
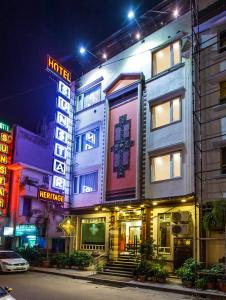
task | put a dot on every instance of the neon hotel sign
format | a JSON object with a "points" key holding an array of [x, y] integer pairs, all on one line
{"points": [[5, 157], [61, 123]]}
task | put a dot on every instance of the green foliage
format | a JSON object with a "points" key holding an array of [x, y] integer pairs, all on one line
{"points": [[142, 268], [188, 270], [215, 219], [200, 283], [211, 274], [60, 259], [148, 249], [80, 259], [151, 269], [29, 253]]}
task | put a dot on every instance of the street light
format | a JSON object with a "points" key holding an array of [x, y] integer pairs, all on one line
{"points": [[131, 14], [82, 50]]}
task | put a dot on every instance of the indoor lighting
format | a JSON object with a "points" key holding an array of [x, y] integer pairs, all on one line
{"points": [[128, 206], [175, 13], [117, 208], [142, 205], [158, 161], [82, 50], [96, 208], [183, 200], [103, 208], [131, 15], [155, 203]]}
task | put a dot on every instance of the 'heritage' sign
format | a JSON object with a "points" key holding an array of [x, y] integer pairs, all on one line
{"points": [[50, 196], [56, 68]]}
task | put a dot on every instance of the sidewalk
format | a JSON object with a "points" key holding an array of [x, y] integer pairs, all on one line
{"points": [[172, 285]]}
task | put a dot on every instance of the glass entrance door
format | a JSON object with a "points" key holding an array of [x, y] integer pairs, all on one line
{"points": [[129, 236]]}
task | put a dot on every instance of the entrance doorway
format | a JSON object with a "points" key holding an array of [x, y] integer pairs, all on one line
{"points": [[129, 236]]}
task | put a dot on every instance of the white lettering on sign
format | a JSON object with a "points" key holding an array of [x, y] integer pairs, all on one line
{"points": [[63, 104], [59, 166], [58, 182], [60, 151], [61, 135], [62, 119], [64, 90]]}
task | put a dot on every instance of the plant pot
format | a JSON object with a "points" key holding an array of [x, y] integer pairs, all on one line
{"points": [[210, 285], [187, 283], [141, 278], [222, 285], [45, 263]]}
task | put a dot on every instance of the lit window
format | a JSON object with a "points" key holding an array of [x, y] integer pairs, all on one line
{"points": [[222, 39], [223, 91], [166, 166], [164, 233], [166, 113], [166, 57], [88, 183], [87, 140], [89, 98], [223, 160]]}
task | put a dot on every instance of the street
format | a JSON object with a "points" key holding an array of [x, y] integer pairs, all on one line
{"points": [[35, 286]]}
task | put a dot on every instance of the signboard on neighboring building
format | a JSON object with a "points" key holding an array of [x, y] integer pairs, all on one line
{"points": [[5, 160], [8, 231], [62, 123], [50, 196], [26, 229], [57, 69]]}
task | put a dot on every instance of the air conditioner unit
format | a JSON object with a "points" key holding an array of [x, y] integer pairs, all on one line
{"points": [[182, 216], [179, 229]]}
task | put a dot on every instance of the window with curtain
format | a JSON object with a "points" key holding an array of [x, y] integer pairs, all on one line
{"points": [[166, 57], [223, 91], [87, 140], [88, 182], [166, 113], [164, 233], [91, 97], [166, 166]]}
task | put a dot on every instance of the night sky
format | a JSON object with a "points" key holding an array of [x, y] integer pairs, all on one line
{"points": [[31, 29]]}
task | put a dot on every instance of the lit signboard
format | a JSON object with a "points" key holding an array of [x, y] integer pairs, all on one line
{"points": [[5, 160], [8, 231], [62, 123], [57, 69], [26, 229], [50, 196]]}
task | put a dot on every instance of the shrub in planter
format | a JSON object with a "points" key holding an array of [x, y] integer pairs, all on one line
{"points": [[161, 275], [141, 270], [200, 283], [61, 260], [29, 253], [80, 259]]}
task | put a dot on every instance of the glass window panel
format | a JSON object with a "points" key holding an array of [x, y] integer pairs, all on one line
{"points": [[90, 139], [176, 164], [75, 185], [223, 160], [164, 234], [223, 91], [176, 110], [223, 41], [176, 53], [77, 143], [161, 115], [88, 183], [26, 207], [161, 60], [92, 97], [161, 168], [79, 102]]}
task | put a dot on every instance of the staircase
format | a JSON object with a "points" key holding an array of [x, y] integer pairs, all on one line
{"points": [[123, 267]]}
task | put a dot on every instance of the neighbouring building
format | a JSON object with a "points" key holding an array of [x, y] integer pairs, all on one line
{"points": [[35, 210]]}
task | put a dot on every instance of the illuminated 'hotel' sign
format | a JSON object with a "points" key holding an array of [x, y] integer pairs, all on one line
{"points": [[5, 159], [62, 123], [57, 69]]}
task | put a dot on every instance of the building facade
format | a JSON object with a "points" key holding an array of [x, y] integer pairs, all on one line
{"points": [[133, 175]]}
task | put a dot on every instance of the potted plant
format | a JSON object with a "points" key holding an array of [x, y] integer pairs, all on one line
{"points": [[60, 260], [187, 272], [141, 270], [200, 283], [161, 275]]}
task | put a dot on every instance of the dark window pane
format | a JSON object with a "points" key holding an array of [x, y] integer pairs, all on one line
{"points": [[223, 160], [75, 183], [223, 41], [26, 207]]}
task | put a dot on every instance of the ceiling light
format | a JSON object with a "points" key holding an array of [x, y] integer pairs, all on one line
{"points": [[138, 35], [104, 56], [183, 200], [155, 203], [175, 13], [82, 50]]}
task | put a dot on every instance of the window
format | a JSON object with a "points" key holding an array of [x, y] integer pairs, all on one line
{"points": [[87, 140], [166, 166], [166, 113], [86, 183], [166, 58], [164, 233], [222, 41], [223, 160], [223, 91], [26, 207], [89, 98]]}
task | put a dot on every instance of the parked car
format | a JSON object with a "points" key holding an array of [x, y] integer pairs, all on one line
{"points": [[5, 293], [11, 261]]}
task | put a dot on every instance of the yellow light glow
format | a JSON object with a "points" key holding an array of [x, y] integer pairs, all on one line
{"points": [[128, 206], [116, 207], [155, 203], [160, 54], [103, 208], [142, 205], [158, 161], [183, 200], [96, 208]]}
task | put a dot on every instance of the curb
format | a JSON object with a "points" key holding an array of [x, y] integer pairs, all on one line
{"points": [[129, 284]]}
